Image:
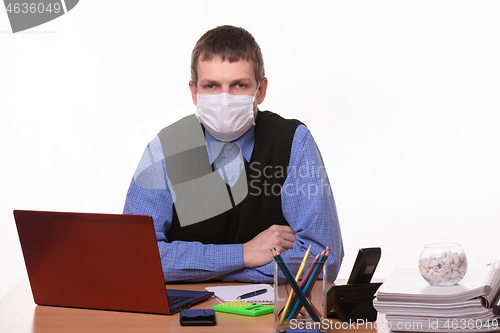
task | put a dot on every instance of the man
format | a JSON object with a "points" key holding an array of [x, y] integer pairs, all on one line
{"points": [[224, 192]]}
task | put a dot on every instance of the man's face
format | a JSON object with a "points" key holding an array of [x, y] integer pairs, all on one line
{"points": [[236, 78]]}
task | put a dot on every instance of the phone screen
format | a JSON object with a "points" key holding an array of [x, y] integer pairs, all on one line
{"points": [[197, 317], [364, 267]]}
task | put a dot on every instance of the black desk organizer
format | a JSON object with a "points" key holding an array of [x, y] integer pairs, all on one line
{"points": [[352, 302]]}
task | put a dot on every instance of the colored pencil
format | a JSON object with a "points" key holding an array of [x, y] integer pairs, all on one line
{"points": [[297, 277], [309, 285], [304, 280], [305, 302]]}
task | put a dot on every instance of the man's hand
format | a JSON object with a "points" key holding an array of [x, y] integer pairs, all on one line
{"points": [[256, 252]]}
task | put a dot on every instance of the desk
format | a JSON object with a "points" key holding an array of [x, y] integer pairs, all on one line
{"points": [[19, 314]]}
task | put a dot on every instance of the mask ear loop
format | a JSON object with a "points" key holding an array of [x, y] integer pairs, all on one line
{"points": [[253, 101], [255, 95]]}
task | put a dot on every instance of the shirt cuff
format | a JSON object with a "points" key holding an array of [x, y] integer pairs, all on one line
{"points": [[228, 258]]}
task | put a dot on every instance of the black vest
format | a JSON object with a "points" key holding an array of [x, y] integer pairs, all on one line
{"points": [[266, 172]]}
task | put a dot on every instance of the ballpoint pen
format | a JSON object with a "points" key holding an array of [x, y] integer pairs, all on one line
{"points": [[252, 293]]}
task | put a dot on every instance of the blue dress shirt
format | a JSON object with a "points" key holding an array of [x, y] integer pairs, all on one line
{"points": [[307, 203]]}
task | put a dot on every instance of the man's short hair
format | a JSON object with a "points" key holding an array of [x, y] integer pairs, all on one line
{"points": [[231, 43]]}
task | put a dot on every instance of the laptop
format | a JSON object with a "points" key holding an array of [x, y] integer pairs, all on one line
{"points": [[97, 261]]}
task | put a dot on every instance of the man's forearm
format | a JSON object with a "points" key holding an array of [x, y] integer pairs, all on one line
{"points": [[194, 261]]}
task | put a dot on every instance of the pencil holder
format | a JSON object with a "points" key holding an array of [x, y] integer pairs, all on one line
{"points": [[290, 314]]}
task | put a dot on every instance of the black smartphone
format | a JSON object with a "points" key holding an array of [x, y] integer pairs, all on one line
{"points": [[197, 317], [364, 266]]}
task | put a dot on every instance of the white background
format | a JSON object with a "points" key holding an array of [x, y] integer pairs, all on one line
{"points": [[401, 97]]}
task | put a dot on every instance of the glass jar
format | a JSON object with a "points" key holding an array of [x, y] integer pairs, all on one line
{"points": [[443, 264]]}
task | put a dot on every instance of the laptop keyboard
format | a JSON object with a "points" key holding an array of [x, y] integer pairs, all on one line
{"points": [[172, 300]]}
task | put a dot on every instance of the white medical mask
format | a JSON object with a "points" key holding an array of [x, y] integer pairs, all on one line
{"points": [[225, 116]]}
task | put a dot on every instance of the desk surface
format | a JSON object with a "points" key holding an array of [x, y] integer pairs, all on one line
{"points": [[19, 314]]}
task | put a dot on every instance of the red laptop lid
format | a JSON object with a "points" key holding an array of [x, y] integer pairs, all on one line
{"points": [[98, 261]]}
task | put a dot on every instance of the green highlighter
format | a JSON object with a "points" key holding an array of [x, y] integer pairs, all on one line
{"points": [[244, 308]]}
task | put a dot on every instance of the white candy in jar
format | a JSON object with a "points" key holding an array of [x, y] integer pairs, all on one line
{"points": [[443, 267]]}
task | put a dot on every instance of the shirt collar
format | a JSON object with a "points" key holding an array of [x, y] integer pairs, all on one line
{"points": [[245, 143]]}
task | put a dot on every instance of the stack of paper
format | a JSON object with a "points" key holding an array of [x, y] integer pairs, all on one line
{"points": [[410, 304]]}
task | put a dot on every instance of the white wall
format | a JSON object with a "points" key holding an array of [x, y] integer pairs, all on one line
{"points": [[402, 98]]}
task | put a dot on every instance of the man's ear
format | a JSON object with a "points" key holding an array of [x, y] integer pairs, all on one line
{"points": [[261, 92], [193, 91]]}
